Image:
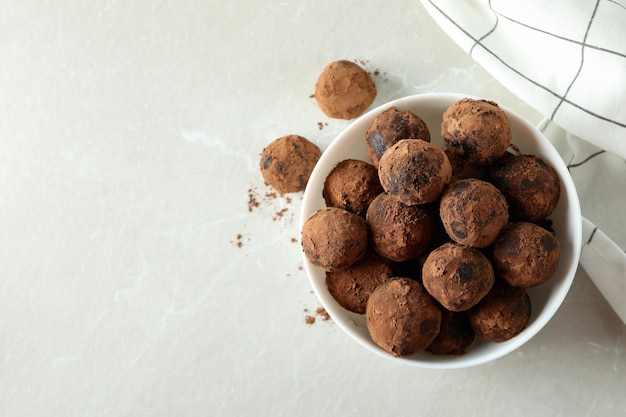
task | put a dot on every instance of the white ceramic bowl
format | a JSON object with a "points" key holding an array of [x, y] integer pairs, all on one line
{"points": [[545, 299]]}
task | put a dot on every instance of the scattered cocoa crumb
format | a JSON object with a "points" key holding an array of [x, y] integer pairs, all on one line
{"points": [[254, 198], [238, 240], [252, 201], [322, 312], [270, 199], [294, 240], [280, 214], [310, 319], [321, 125], [312, 96], [378, 73]]}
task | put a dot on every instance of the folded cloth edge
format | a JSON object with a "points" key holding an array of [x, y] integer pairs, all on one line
{"points": [[605, 263]]}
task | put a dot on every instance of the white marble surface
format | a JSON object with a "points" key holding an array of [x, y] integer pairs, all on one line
{"points": [[138, 280]]}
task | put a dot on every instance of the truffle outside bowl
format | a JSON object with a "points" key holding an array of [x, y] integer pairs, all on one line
{"points": [[545, 299]]}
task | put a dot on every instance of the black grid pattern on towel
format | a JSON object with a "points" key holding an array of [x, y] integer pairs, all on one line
{"points": [[561, 97]]}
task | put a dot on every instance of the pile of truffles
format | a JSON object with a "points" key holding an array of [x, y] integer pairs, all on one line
{"points": [[437, 247]]}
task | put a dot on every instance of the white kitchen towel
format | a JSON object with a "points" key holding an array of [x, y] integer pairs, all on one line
{"points": [[605, 263], [567, 59]]}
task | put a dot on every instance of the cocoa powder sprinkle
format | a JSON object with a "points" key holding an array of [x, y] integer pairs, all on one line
{"points": [[252, 201], [323, 313]]}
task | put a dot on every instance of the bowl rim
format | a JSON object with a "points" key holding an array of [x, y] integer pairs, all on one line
{"points": [[567, 268]]}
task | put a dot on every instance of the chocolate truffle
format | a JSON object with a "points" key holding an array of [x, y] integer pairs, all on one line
{"points": [[344, 90], [476, 130], [334, 239], [287, 162], [502, 314], [473, 212], [352, 185], [401, 317], [525, 255], [398, 232], [455, 334], [530, 185], [391, 126], [457, 276], [352, 287], [414, 171]]}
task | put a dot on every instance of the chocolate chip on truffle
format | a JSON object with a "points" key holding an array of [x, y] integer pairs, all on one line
{"points": [[344, 90], [455, 334], [414, 171], [391, 126], [502, 314], [402, 318], [287, 163], [398, 232], [525, 255], [530, 185], [457, 276], [352, 287], [334, 239], [352, 185], [473, 212], [476, 130]]}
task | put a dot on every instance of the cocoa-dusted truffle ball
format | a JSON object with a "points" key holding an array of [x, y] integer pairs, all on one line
{"points": [[457, 276], [352, 185], [391, 126], [344, 90], [473, 212], [398, 232], [414, 171], [525, 255], [530, 185], [476, 130], [352, 287], [455, 334], [401, 317], [334, 239], [502, 314], [287, 162]]}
